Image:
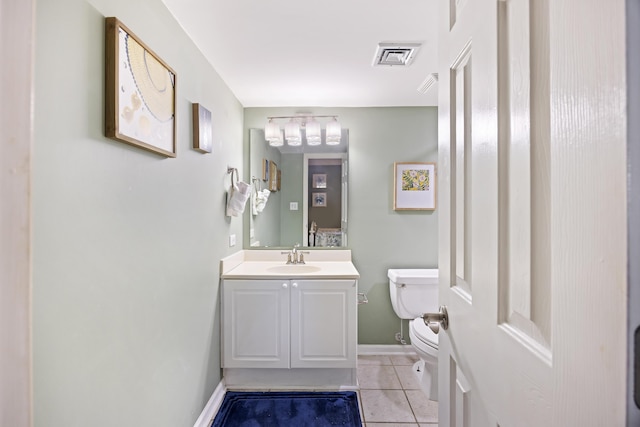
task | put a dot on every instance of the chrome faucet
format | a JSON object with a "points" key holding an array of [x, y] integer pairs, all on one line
{"points": [[295, 256]]}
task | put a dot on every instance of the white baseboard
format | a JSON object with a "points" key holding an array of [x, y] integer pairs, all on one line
{"points": [[209, 412], [384, 349]]}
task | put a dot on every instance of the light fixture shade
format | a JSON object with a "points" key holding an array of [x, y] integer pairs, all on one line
{"points": [[313, 132], [292, 133], [279, 142], [334, 132], [272, 131]]}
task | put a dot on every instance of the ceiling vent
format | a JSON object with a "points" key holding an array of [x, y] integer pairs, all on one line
{"points": [[431, 80], [396, 54]]}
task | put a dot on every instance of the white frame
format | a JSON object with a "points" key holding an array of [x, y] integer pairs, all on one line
{"points": [[319, 180], [319, 200]]}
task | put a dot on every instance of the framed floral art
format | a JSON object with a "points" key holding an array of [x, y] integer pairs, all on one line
{"points": [[414, 186]]}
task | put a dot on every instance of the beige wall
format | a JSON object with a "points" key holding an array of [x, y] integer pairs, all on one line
{"points": [[126, 243]]}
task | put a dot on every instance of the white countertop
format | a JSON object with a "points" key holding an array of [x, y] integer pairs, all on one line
{"points": [[319, 265], [280, 270]]}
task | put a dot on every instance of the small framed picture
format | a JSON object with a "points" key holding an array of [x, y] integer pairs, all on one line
{"points": [[265, 169], [319, 200], [319, 180], [414, 186], [273, 176], [202, 129]]}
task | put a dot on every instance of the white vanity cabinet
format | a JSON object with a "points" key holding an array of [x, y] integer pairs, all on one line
{"points": [[255, 323], [289, 323], [323, 323]]}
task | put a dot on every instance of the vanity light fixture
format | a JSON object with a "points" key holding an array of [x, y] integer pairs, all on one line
{"points": [[334, 132], [313, 132], [272, 133], [293, 134]]}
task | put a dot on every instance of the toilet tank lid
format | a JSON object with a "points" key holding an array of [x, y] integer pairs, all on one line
{"points": [[410, 276]]}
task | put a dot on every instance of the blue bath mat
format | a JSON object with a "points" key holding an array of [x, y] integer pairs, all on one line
{"points": [[295, 409]]}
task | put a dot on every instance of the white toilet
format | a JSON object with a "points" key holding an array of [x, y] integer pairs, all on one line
{"points": [[414, 292]]}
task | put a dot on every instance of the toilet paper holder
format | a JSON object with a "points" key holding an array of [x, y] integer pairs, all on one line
{"points": [[362, 298]]}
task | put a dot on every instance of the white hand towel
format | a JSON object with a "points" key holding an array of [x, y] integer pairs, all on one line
{"points": [[261, 199], [237, 198]]}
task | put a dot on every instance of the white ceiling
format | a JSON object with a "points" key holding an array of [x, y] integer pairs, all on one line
{"points": [[294, 53]]}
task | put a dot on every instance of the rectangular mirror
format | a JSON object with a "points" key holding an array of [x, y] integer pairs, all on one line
{"points": [[302, 210]]}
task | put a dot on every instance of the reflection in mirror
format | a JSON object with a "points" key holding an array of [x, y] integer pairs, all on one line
{"points": [[309, 204]]}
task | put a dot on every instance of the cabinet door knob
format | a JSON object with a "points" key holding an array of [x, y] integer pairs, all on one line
{"points": [[284, 285], [295, 285]]}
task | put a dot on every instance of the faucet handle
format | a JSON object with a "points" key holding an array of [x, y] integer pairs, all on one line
{"points": [[301, 256], [288, 253]]}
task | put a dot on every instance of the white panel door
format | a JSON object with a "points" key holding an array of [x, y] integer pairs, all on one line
{"points": [[255, 319], [323, 324], [532, 252]]}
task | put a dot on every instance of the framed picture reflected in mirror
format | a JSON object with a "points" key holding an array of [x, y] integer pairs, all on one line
{"points": [[319, 180], [273, 176], [319, 200]]}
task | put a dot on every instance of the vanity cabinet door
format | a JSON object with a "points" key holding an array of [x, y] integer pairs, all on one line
{"points": [[255, 328], [323, 323]]}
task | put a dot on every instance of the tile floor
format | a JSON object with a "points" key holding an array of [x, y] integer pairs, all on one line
{"points": [[390, 395]]}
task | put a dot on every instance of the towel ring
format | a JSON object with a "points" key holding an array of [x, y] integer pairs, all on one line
{"points": [[259, 186], [231, 171]]}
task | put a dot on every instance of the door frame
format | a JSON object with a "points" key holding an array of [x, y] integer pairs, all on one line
{"points": [[633, 208], [305, 188], [17, 24]]}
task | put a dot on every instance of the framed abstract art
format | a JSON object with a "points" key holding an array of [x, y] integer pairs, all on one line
{"points": [[140, 93]]}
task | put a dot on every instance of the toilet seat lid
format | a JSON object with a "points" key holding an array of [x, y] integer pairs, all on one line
{"points": [[424, 333]]}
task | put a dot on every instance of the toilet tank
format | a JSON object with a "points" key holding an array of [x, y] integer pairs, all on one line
{"points": [[413, 291]]}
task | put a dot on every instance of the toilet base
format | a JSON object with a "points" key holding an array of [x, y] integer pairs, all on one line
{"points": [[427, 380]]}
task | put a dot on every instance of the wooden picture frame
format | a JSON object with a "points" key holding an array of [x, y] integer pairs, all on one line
{"points": [[319, 180], [279, 179], [414, 186], [319, 200], [202, 129], [140, 95], [273, 176], [265, 169]]}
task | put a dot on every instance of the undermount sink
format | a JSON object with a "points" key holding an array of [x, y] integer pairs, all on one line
{"points": [[293, 269]]}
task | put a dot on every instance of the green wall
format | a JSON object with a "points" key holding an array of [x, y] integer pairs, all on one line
{"points": [[266, 224], [126, 243], [292, 180], [380, 237]]}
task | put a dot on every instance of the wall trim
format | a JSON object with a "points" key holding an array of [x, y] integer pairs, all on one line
{"points": [[384, 349], [17, 41], [211, 409]]}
